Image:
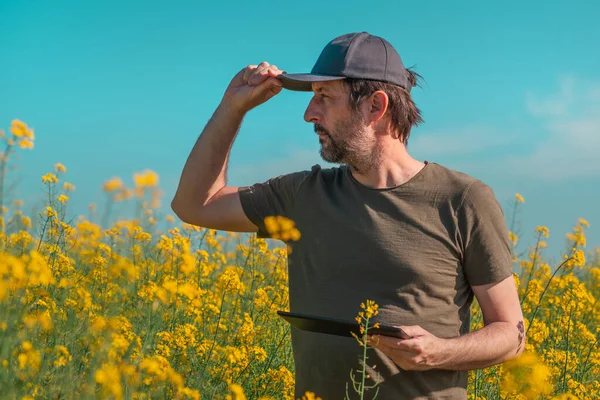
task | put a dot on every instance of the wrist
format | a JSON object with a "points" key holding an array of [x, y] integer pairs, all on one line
{"points": [[444, 354], [230, 108]]}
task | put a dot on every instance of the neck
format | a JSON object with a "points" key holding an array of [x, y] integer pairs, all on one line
{"points": [[394, 167]]}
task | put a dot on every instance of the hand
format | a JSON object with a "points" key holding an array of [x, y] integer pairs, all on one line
{"points": [[252, 86], [421, 352]]}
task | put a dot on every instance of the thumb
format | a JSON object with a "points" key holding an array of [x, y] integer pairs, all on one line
{"points": [[413, 330], [268, 84], [266, 90], [274, 85]]}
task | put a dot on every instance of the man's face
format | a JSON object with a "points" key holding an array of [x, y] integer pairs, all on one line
{"points": [[342, 131]]}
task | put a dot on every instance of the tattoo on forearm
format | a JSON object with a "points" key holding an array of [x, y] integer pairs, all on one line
{"points": [[521, 328]]}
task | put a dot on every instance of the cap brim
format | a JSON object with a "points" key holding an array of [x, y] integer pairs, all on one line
{"points": [[303, 82]]}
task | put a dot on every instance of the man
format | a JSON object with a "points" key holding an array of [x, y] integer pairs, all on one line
{"points": [[418, 238]]}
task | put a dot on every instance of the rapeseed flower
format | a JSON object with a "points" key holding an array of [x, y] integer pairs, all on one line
{"points": [[527, 376], [49, 178], [166, 310], [112, 185], [58, 167], [20, 129], [282, 228]]}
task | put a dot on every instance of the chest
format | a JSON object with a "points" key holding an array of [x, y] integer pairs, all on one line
{"points": [[386, 238]]}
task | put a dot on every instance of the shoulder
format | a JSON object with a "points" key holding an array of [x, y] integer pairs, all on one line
{"points": [[465, 189], [328, 175], [459, 181]]}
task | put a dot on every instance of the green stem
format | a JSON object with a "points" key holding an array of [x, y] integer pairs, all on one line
{"points": [[2, 175], [542, 295], [532, 268], [364, 368]]}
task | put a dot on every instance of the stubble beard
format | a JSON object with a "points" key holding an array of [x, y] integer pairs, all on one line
{"points": [[353, 145]]}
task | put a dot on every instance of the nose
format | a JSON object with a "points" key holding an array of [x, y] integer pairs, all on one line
{"points": [[312, 113]]}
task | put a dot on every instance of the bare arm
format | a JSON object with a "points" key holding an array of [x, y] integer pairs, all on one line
{"points": [[490, 345], [502, 337], [204, 177], [203, 197], [503, 334]]}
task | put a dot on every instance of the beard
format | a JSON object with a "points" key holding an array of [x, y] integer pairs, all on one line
{"points": [[349, 142]]}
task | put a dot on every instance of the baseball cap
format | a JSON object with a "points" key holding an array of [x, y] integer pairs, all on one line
{"points": [[352, 55]]}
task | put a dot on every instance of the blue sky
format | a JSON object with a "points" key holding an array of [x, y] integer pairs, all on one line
{"points": [[511, 92]]}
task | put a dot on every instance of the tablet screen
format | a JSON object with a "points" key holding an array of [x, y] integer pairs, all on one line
{"points": [[337, 327]]}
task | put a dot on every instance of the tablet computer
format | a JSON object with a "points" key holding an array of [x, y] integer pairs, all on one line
{"points": [[337, 327]]}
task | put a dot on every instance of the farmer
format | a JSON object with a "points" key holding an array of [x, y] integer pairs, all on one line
{"points": [[416, 237]]}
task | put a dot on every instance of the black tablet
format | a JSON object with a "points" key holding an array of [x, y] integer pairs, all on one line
{"points": [[338, 327]]}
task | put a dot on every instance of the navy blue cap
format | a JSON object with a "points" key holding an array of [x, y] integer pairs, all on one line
{"points": [[353, 55]]}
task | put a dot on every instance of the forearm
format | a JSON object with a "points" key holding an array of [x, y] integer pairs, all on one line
{"points": [[204, 173], [490, 345]]}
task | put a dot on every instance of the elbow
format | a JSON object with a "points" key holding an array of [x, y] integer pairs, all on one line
{"points": [[178, 208], [186, 213], [515, 352], [522, 345], [522, 338]]}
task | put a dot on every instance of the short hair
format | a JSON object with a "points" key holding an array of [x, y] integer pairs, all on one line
{"points": [[403, 111]]}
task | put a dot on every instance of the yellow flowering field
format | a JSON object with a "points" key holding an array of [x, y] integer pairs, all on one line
{"points": [[149, 308]]}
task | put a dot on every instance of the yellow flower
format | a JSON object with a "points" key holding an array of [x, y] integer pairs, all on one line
{"points": [[58, 167], [63, 356], [310, 396], [544, 231], [146, 178], [109, 377], [26, 221], [527, 375], [49, 177], [113, 185], [565, 396], [281, 228], [29, 357], [584, 222], [20, 129], [229, 282], [579, 258], [25, 143], [62, 198], [143, 237], [514, 239], [519, 198], [50, 212], [42, 319], [371, 308], [578, 236], [237, 393], [68, 187]]}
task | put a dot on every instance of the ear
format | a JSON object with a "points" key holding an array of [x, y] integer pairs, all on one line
{"points": [[378, 104]]}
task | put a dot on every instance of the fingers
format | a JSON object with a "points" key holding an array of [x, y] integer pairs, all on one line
{"points": [[247, 72], [386, 342], [257, 74]]}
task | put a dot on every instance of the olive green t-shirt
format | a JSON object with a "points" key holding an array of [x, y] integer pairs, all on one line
{"points": [[415, 249]]}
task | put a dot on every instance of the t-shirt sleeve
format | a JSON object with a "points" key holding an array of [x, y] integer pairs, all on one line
{"points": [[270, 198], [484, 236]]}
